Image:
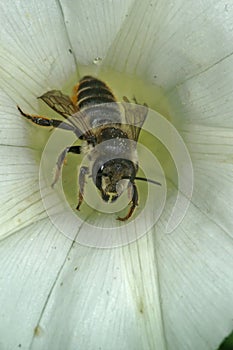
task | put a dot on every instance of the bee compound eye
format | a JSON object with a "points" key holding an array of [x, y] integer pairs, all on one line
{"points": [[97, 179]]}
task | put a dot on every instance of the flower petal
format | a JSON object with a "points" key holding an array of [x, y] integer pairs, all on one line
{"points": [[30, 264], [105, 299], [205, 98], [170, 42], [34, 50], [19, 172], [195, 265], [212, 154], [92, 26], [205, 104]]}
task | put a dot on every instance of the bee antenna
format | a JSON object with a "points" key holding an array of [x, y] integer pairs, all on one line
{"points": [[145, 179], [148, 180]]}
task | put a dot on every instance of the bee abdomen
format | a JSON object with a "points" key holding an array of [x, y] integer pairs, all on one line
{"points": [[92, 91], [96, 99]]}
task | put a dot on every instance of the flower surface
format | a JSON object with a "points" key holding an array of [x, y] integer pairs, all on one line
{"points": [[164, 291]]}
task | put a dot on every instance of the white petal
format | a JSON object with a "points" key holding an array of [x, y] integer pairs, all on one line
{"points": [[205, 98], [195, 265], [93, 25], [107, 298], [34, 50], [30, 264], [19, 191], [172, 41], [202, 107], [211, 151]]}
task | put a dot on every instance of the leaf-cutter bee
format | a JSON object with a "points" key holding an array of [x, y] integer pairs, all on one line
{"points": [[109, 134]]}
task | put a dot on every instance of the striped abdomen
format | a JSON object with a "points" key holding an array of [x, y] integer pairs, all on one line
{"points": [[95, 98]]}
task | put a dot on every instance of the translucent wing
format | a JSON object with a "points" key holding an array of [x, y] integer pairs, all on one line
{"points": [[63, 105], [59, 102], [135, 116], [81, 122], [94, 116]]}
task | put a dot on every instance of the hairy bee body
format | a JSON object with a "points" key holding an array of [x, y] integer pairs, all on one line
{"points": [[95, 99], [110, 130]]}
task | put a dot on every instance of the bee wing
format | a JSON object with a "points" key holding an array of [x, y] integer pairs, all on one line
{"points": [[135, 116], [59, 102], [80, 121], [63, 105]]}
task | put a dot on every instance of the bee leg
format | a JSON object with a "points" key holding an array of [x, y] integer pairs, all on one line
{"points": [[135, 101], [42, 121], [128, 101], [125, 99], [61, 160], [133, 205], [82, 175]]}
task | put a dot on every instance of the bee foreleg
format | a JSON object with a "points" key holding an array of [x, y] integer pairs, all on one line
{"points": [[42, 121], [61, 160], [82, 176], [133, 205]]}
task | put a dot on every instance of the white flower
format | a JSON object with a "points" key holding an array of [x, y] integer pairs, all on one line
{"points": [[163, 291]]}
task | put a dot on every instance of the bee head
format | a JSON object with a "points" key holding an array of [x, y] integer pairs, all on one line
{"points": [[112, 177]]}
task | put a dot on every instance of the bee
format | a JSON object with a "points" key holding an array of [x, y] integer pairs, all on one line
{"points": [[108, 134]]}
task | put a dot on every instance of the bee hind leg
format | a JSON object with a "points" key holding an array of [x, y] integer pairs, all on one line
{"points": [[133, 205], [42, 121], [61, 160]]}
